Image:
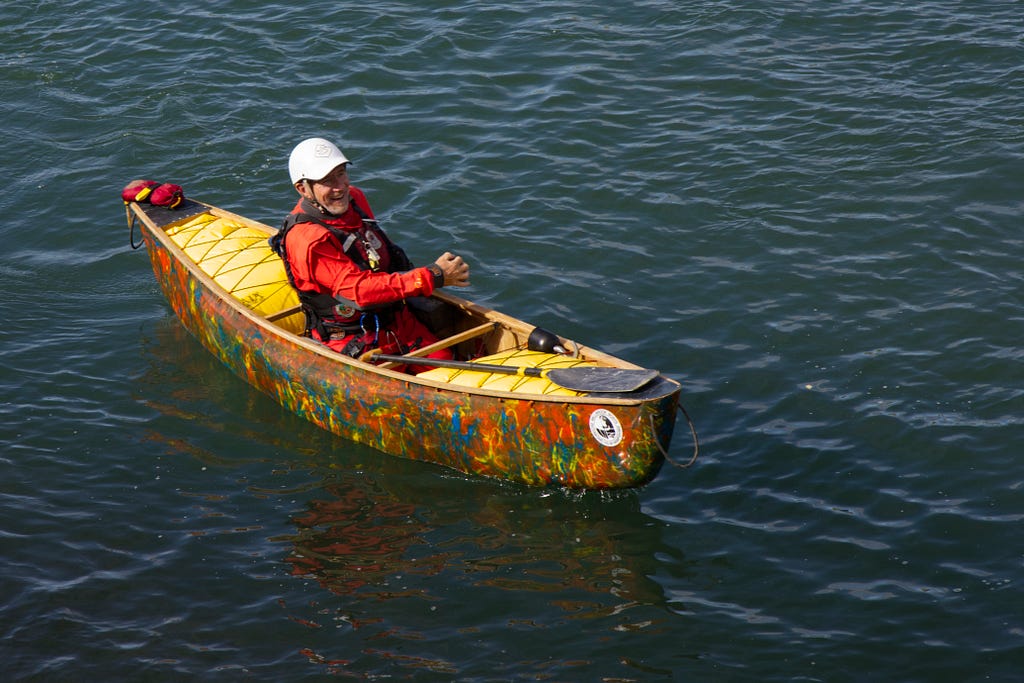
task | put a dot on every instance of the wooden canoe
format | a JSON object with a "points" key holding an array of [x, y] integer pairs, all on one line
{"points": [[229, 290]]}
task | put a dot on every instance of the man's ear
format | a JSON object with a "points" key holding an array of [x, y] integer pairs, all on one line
{"points": [[300, 187]]}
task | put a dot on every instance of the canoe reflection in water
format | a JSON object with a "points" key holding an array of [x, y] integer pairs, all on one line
{"points": [[355, 540], [581, 550]]}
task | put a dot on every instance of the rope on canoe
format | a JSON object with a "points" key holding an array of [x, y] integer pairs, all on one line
{"points": [[131, 217], [693, 432]]}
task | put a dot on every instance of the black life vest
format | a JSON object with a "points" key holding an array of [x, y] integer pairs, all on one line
{"points": [[326, 313]]}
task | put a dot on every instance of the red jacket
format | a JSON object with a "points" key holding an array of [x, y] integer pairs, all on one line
{"points": [[318, 263]]}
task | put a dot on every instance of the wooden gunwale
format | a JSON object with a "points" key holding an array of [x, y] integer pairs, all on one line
{"points": [[581, 441], [509, 325]]}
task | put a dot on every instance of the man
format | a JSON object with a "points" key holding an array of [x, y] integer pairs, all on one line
{"points": [[351, 279]]}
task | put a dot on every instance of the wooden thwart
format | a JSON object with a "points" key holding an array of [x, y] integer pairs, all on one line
{"points": [[274, 317], [465, 335]]}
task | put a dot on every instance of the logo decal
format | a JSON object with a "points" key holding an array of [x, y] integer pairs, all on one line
{"points": [[605, 427]]}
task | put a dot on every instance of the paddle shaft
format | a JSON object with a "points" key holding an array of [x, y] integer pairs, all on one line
{"points": [[583, 378], [461, 365]]}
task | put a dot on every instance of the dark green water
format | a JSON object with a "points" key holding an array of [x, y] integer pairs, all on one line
{"points": [[809, 213]]}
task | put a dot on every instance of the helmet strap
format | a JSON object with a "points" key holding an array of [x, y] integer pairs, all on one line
{"points": [[312, 197]]}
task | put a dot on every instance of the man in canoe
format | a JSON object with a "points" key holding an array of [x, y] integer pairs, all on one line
{"points": [[351, 278]]}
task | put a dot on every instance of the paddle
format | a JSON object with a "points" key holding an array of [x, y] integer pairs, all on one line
{"points": [[580, 378]]}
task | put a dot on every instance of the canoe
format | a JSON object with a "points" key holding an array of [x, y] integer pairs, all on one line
{"points": [[504, 412]]}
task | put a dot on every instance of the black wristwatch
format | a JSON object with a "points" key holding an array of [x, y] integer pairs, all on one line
{"points": [[438, 274]]}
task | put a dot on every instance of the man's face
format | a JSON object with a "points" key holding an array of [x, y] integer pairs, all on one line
{"points": [[331, 191]]}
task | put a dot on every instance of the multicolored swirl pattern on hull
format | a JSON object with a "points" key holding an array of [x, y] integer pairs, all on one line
{"points": [[586, 442]]}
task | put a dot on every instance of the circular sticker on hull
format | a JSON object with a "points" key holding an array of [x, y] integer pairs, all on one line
{"points": [[605, 427]]}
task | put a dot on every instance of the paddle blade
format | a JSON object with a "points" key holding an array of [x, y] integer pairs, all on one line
{"points": [[600, 379]]}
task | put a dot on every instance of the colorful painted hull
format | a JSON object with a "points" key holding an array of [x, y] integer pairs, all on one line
{"points": [[596, 441]]}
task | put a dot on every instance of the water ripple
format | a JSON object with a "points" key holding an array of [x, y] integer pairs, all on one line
{"points": [[806, 213]]}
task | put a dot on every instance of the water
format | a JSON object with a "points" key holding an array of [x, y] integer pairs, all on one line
{"points": [[808, 213]]}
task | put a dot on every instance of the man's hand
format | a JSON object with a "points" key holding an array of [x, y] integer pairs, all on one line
{"points": [[456, 271]]}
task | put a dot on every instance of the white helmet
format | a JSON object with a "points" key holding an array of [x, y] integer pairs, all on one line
{"points": [[313, 158]]}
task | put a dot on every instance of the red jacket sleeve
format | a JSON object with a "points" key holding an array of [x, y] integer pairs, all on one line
{"points": [[320, 264]]}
